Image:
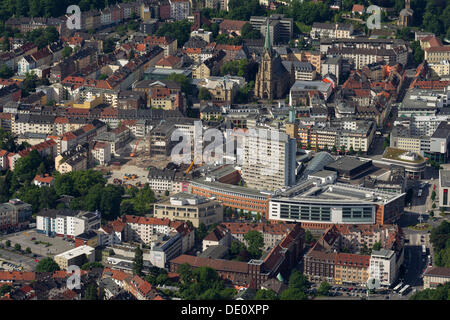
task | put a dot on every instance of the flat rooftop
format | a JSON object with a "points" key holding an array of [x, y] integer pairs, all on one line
{"points": [[445, 178], [76, 252], [346, 164], [338, 192]]}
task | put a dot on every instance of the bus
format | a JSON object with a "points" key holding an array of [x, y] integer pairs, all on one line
{"points": [[398, 287], [404, 290]]}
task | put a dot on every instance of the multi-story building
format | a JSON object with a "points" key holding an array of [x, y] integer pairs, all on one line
{"points": [[236, 197], [188, 207], [384, 266], [14, 214], [179, 9], [330, 30], [252, 274], [76, 256], [320, 204], [169, 45], [364, 51], [280, 28], [149, 230], [272, 233], [268, 159], [437, 54], [434, 276], [101, 152], [65, 222]]}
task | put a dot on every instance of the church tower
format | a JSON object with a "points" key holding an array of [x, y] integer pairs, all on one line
{"points": [[264, 84]]}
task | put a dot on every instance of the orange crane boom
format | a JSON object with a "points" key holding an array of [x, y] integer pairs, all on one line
{"points": [[190, 167], [135, 148]]}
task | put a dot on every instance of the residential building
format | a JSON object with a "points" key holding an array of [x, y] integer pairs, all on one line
{"points": [[383, 266], [330, 30], [434, 276], [65, 222], [188, 207], [179, 9], [14, 215], [268, 159]]}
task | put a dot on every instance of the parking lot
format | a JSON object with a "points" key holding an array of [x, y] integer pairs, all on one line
{"points": [[38, 243]]}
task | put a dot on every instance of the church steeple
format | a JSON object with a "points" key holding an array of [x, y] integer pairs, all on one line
{"points": [[267, 45]]}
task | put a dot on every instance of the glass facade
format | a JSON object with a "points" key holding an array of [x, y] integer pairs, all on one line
{"points": [[305, 212]]}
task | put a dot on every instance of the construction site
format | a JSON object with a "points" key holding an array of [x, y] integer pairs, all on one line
{"points": [[132, 164]]}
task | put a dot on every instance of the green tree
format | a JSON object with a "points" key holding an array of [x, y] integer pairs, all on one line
{"points": [[376, 246], [298, 280], [26, 167], [179, 30], [266, 295], [293, 294], [184, 82], [91, 265], [255, 242], [138, 262], [28, 250], [247, 32], [17, 247], [91, 292], [5, 72], [334, 149], [351, 151], [8, 243], [324, 288], [47, 265], [109, 45], [433, 195], [308, 236], [4, 289], [66, 52], [203, 94], [185, 272]]}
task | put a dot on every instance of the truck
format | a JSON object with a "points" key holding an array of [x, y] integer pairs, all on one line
{"points": [[424, 250]]}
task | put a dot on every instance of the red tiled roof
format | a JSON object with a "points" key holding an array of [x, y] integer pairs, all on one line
{"points": [[17, 276], [356, 260], [358, 8], [218, 264], [168, 61], [234, 25], [45, 179], [438, 49]]}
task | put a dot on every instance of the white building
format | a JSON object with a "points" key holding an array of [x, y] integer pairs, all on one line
{"points": [[268, 158], [68, 223], [179, 9], [76, 256], [383, 266]]}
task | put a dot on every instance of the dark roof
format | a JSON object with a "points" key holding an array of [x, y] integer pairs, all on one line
{"points": [[346, 164], [438, 271], [442, 131]]}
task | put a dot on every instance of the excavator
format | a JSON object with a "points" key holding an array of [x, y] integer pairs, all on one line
{"points": [[135, 148]]}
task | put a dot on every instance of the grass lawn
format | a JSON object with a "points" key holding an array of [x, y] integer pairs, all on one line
{"points": [[394, 154]]}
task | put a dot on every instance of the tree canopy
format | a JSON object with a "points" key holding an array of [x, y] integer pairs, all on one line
{"points": [[202, 283], [255, 242], [47, 265]]}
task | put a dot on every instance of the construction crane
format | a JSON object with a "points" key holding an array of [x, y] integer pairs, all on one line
{"points": [[190, 167], [135, 148]]}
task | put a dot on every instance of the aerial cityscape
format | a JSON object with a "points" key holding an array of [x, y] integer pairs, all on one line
{"points": [[225, 150]]}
